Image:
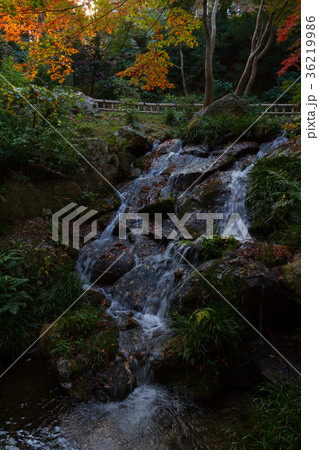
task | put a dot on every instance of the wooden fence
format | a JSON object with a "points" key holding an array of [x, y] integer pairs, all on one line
{"points": [[277, 109]]}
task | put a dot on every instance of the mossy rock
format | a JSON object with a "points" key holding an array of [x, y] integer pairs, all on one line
{"points": [[163, 206], [230, 104], [202, 200], [263, 132], [135, 141]]}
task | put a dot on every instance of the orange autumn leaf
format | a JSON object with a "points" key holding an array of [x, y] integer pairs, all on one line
{"points": [[49, 30]]}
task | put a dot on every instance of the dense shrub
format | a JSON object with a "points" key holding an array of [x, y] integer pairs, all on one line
{"points": [[206, 335], [26, 135], [36, 286]]}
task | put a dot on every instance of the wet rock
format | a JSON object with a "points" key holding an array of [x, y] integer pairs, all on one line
{"points": [[135, 141], [195, 150], [229, 104], [103, 221], [94, 298], [179, 273], [135, 172], [138, 289], [208, 196], [170, 146], [117, 261], [163, 206], [198, 169], [147, 191], [63, 374], [130, 324], [146, 245], [181, 180], [203, 196]]}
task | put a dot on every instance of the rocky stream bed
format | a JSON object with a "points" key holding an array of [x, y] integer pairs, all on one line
{"points": [[138, 402]]}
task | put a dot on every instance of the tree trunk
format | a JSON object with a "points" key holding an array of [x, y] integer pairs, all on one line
{"points": [[258, 46], [209, 76], [253, 50], [210, 35], [244, 76], [182, 71], [255, 63]]}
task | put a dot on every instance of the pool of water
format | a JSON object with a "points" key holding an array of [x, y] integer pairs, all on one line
{"points": [[36, 415]]}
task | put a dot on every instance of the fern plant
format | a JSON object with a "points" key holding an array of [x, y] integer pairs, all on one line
{"points": [[275, 192], [13, 297]]}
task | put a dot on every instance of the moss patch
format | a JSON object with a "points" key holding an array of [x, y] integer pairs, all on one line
{"points": [[86, 337], [163, 205]]}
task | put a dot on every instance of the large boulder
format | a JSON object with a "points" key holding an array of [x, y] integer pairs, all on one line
{"points": [[116, 262], [230, 104], [100, 164], [97, 156], [252, 274], [106, 380], [85, 103], [135, 141]]}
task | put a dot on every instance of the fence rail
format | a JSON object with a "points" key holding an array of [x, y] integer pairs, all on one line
{"points": [[277, 109]]}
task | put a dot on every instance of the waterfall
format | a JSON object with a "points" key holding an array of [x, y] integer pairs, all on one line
{"points": [[156, 271], [239, 177], [152, 415]]}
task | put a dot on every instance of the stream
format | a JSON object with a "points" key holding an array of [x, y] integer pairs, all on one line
{"points": [[35, 414]]}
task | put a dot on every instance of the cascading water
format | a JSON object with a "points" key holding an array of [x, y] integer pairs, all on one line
{"points": [[236, 202], [152, 416], [152, 315]]}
